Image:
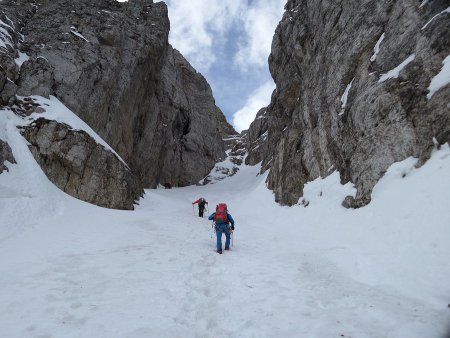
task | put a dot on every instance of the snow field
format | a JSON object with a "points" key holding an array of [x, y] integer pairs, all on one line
{"points": [[70, 269]]}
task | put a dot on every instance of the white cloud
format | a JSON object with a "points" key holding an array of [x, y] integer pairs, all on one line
{"points": [[260, 22], [236, 33], [199, 26], [258, 99]]}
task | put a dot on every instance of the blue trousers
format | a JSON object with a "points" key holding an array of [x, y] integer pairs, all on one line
{"points": [[223, 228]]}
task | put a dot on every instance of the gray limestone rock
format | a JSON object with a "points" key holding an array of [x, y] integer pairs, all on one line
{"points": [[334, 110], [5, 155], [3, 78], [80, 166], [256, 137], [36, 78], [8, 93], [112, 65]]}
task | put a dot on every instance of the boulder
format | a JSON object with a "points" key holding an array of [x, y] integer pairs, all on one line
{"points": [[5, 155], [80, 166]]}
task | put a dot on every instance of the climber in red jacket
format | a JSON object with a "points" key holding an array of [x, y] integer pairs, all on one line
{"points": [[201, 206]]}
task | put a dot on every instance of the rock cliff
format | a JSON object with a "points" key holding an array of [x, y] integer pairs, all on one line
{"points": [[80, 166], [112, 65], [357, 88]]}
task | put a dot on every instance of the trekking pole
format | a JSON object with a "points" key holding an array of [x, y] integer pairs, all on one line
{"points": [[193, 209], [212, 229]]}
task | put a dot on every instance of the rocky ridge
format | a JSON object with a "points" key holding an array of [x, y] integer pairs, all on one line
{"points": [[353, 93]]}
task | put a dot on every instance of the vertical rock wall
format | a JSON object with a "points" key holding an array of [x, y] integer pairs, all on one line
{"points": [[353, 91]]}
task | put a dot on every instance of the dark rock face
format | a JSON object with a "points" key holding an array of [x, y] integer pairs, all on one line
{"points": [[5, 155], [188, 137], [80, 166], [2, 79], [36, 78], [112, 65], [256, 137], [334, 110]]}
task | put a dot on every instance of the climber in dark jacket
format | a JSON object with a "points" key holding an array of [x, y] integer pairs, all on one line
{"points": [[201, 206]]}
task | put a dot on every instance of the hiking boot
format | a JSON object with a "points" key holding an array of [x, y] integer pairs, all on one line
{"points": [[219, 251], [227, 248]]}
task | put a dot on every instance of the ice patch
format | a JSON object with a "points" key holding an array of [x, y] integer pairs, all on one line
{"points": [[74, 31], [424, 2], [434, 17], [2, 23], [345, 97], [394, 73], [21, 59], [5, 37], [440, 80], [376, 49], [11, 22]]}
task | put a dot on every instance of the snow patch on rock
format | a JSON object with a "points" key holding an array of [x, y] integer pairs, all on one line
{"points": [[344, 97], [434, 17], [441, 79], [394, 73], [376, 49]]}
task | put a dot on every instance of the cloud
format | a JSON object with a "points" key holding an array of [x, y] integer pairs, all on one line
{"points": [[258, 99], [229, 42], [199, 27], [260, 21]]}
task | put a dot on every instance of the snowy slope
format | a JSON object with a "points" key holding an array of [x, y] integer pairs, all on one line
{"points": [[70, 269]]}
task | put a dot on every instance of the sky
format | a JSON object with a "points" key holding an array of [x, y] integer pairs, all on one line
{"points": [[229, 42]]}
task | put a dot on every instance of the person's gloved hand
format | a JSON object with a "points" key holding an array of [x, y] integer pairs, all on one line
{"points": [[232, 227]]}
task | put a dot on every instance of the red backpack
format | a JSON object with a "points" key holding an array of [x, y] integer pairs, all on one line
{"points": [[221, 214]]}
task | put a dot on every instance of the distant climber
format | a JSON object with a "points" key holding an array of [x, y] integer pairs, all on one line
{"points": [[222, 219], [201, 206]]}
